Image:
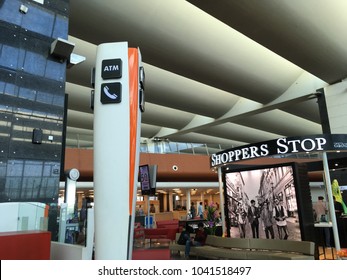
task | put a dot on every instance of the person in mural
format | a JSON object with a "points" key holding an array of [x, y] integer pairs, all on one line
{"points": [[280, 215], [241, 219], [267, 222], [253, 218]]}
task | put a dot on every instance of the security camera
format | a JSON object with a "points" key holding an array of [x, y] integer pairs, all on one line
{"points": [[23, 9]]}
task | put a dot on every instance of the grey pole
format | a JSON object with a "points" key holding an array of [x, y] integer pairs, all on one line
{"points": [[331, 201]]}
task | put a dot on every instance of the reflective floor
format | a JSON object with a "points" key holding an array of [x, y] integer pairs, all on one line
{"points": [[156, 244], [328, 253]]}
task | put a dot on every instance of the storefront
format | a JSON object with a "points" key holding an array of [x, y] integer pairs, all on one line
{"points": [[286, 181]]}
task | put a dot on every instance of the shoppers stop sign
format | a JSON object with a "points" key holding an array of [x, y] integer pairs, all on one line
{"points": [[290, 145]]}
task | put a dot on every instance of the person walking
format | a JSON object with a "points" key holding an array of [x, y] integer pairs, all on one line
{"points": [[192, 210], [200, 211]]}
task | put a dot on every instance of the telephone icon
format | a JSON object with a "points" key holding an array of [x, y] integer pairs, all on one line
{"points": [[109, 94]]}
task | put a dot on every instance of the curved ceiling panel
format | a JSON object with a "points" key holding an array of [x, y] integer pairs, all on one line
{"points": [[176, 36], [310, 33], [164, 116], [169, 89], [228, 73]]}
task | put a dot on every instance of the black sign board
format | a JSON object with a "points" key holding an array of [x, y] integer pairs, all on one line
{"points": [[290, 145], [111, 69], [111, 93]]}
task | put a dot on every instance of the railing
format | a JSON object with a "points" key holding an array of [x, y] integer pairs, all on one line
{"points": [[158, 146]]}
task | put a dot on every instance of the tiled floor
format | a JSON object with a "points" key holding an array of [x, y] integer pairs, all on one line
{"points": [[328, 253]]}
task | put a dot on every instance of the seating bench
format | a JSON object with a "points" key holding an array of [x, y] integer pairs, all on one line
{"points": [[167, 224], [217, 247], [160, 233]]}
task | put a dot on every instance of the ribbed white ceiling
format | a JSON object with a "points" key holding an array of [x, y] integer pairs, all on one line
{"points": [[211, 75]]}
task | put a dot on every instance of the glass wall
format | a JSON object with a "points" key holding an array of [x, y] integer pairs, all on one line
{"points": [[32, 97]]}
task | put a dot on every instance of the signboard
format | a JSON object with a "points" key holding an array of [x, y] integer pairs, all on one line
{"points": [[111, 69], [289, 145], [111, 93]]}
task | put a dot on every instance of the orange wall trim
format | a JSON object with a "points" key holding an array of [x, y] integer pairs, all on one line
{"points": [[190, 168]]}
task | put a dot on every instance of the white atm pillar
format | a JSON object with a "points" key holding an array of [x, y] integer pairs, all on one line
{"points": [[118, 102]]}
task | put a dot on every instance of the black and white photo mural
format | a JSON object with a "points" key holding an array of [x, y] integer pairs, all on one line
{"points": [[262, 203]]}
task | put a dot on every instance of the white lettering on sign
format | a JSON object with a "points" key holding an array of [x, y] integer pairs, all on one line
{"points": [[279, 146], [241, 154], [109, 68], [293, 146]]}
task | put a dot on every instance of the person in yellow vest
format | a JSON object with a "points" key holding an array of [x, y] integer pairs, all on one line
{"points": [[337, 194]]}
